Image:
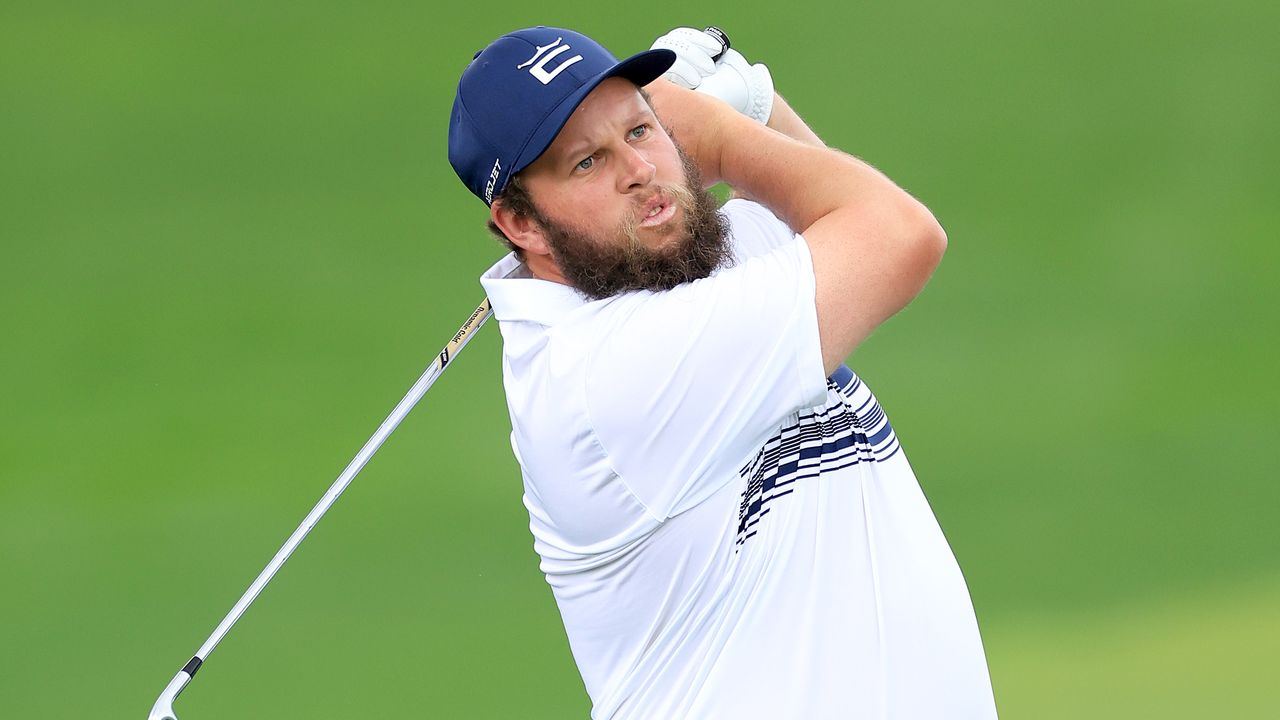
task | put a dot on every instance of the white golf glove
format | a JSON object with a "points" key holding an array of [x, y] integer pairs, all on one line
{"points": [[747, 88]]}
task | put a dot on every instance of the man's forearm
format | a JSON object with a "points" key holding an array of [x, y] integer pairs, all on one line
{"points": [[799, 179], [786, 121], [873, 246]]}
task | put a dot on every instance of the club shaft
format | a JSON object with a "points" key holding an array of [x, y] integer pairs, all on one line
{"points": [[455, 345]]}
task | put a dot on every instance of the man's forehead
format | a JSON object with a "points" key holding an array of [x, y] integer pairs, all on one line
{"points": [[614, 101], [611, 94]]}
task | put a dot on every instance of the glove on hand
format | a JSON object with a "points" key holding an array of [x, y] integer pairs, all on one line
{"points": [[694, 51], [747, 88]]}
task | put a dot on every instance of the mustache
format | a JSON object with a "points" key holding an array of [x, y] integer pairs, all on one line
{"points": [[677, 194]]}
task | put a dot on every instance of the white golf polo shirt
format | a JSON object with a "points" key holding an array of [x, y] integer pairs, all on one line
{"points": [[727, 532]]}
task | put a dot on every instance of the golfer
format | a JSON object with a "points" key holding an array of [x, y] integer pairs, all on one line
{"points": [[726, 518]]}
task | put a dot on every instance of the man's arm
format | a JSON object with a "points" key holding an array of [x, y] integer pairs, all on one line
{"points": [[786, 121], [873, 245]]}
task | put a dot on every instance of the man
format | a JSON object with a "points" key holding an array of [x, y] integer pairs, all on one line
{"points": [[722, 509]]}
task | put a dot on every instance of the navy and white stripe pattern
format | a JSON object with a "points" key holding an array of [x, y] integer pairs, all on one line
{"points": [[852, 428]]}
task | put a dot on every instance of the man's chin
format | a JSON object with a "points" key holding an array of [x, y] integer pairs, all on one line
{"points": [[667, 237]]}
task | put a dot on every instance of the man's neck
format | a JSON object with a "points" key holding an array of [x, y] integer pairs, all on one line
{"points": [[543, 267]]}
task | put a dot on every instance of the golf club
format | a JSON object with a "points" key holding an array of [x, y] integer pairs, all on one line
{"points": [[720, 35], [163, 708]]}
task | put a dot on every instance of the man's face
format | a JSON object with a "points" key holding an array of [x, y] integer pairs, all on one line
{"points": [[619, 204]]}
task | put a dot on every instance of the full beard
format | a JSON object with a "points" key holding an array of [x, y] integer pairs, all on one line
{"points": [[602, 267]]}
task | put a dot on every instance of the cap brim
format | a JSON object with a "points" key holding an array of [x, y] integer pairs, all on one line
{"points": [[641, 69]]}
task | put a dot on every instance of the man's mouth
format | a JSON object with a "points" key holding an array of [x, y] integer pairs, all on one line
{"points": [[657, 212]]}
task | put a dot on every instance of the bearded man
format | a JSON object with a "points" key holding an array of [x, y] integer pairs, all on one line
{"points": [[722, 509]]}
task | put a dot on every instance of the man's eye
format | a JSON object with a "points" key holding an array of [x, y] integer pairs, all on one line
{"points": [[639, 131], [586, 164]]}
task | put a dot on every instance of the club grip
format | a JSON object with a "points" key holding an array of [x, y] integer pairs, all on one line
{"points": [[722, 37]]}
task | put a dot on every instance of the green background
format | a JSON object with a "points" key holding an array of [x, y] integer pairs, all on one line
{"points": [[231, 240]]}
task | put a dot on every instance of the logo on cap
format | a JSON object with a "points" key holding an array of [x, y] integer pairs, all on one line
{"points": [[493, 180], [539, 71]]}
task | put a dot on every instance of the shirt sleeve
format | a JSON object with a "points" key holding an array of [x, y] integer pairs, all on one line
{"points": [[685, 385]]}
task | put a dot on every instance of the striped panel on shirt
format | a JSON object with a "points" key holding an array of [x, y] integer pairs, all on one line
{"points": [[851, 428]]}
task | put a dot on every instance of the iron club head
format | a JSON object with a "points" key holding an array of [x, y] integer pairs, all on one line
{"points": [[163, 709]]}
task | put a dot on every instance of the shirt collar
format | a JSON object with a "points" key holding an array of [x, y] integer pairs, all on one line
{"points": [[516, 295]]}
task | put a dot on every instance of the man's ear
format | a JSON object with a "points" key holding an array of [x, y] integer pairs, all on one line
{"points": [[522, 230]]}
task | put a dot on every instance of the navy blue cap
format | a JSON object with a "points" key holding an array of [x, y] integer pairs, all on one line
{"points": [[517, 93]]}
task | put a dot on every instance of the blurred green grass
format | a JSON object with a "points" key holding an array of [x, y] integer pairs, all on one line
{"points": [[231, 240]]}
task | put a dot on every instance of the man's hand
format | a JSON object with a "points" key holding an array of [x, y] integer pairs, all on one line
{"points": [[747, 88], [696, 53]]}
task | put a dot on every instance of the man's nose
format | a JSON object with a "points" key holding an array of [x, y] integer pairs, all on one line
{"points": [[637, 171]]}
